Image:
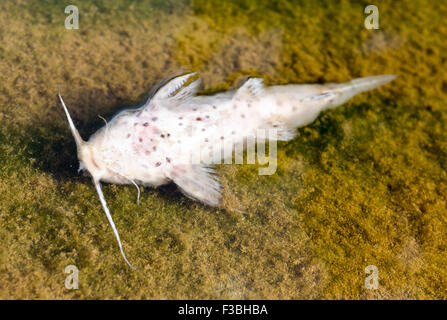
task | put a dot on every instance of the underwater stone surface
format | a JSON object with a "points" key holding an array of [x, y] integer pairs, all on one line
{"points": [[365, 184]]}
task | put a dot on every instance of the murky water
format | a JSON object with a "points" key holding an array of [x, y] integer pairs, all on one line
{"points": [[363, 185]]}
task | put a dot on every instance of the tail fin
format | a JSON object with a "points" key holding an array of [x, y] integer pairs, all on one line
{"points": [[345, 91], [314, 98]]}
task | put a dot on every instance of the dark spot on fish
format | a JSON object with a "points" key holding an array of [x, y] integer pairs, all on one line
{"points": [[145, 124], [169, 134], [140, 139], [214, 107], [162, 135], [154, 119], [158, 164], [154, 148], [168, 160], [128, 135], [242, 115], [222, 137], [180, 118], [195, 109], [199, 119], [207, 116]]}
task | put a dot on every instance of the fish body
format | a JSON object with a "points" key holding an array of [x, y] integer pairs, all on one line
{"points": [[154, 144]]}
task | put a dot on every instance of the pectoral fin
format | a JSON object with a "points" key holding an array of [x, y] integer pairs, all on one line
{"points": [[197, 182]]}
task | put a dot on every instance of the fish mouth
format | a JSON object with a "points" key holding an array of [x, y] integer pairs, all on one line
{"points": [[87, 162]]}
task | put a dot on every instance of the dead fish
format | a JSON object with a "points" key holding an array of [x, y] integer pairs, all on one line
{"points": [[152, 145]]}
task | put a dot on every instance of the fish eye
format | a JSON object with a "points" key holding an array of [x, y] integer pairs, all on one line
{"points": [[86, 173], [83, 169]]}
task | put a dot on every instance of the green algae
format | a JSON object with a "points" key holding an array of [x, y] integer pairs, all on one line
{"points": [[364, 184]]}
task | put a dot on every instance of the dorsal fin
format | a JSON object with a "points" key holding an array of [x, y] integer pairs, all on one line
{"points": [[171, 87], [188, 91], [250, 89]]}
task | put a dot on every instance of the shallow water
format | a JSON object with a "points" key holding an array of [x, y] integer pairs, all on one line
{"points": [[365, 184]]}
